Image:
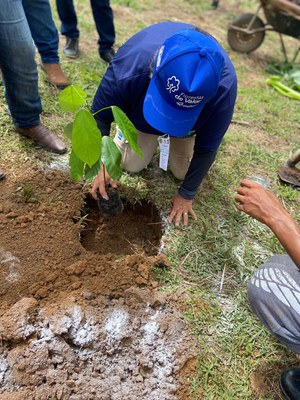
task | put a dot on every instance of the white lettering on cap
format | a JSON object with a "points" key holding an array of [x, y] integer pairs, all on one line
{"points": [[187, 101]]}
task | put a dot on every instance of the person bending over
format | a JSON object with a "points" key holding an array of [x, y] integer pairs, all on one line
{"points": [[178, 87]]}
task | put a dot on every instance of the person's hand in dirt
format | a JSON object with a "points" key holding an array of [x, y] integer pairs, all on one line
{"points": [[262, 205], [100, 182], [181, 210]]}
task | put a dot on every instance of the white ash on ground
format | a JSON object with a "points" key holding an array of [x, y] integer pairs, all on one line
{"points": [[89, 347]]}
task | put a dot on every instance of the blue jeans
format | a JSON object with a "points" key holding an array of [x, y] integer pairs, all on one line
{"points": [[103, 17], [18, 65], [43, 29]]}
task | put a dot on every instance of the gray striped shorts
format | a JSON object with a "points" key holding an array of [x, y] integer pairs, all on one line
{"points": [[274, 295]]}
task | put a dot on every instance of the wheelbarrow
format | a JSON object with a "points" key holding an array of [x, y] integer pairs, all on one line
{"points": [[247, 32], [289, 173]]}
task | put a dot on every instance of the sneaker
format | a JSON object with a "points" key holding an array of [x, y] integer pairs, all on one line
{"points": [[107, 55], [71, 48], [55, 75]]}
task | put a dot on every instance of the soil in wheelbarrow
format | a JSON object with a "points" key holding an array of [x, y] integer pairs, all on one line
{"points": [[82, 315]]}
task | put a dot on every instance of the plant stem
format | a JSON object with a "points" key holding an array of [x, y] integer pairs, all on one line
{"points": [[102, 109]]}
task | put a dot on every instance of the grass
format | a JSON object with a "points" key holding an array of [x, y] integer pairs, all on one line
{"points": [[213, 259]]}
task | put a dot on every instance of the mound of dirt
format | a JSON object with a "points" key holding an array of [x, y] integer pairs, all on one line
{"points": [[78, 320]]}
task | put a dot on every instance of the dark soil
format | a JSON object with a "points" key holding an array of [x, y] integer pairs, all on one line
{"points": [[138, 229]]}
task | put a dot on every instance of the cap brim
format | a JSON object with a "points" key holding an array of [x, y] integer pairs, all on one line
{"points": [[165, 118]]}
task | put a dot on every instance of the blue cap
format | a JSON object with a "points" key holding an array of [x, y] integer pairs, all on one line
{"points": [[187, 72]]}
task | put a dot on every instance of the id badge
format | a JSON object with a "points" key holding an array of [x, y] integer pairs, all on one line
{"points": [[164, 148], [120, 136]]}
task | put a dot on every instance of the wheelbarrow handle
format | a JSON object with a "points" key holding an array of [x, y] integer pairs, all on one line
{"points": [[292, 161]]}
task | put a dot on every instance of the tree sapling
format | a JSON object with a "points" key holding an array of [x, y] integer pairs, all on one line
{"points": [[90, 149]]}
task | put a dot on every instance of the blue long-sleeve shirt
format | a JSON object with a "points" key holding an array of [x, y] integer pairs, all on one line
{"points": [[125, 84]]}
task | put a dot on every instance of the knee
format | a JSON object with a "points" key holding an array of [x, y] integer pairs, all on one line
{"points": [[178, 174], [133, 164], [272, 294], [179, 166]]}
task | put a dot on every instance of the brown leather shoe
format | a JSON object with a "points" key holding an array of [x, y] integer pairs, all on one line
{"points": [[2, 175], [55, 75], [44, 138]]}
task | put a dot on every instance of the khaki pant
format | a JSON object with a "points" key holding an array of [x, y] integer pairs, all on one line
{"points": [[181, 153]]}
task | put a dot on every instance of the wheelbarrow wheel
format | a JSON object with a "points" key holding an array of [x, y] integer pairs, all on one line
{"points": [[244, 42]]}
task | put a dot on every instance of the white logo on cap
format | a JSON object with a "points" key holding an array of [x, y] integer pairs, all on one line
{"points": [[173, 84]]}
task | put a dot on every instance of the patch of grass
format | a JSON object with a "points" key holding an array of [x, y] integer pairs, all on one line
{"points": [[129, 3], [25, 194], [288, 193], [201, 5], [232, 344], [271, 111]]}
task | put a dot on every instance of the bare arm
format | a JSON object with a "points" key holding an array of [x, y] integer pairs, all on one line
{"points": [[262, 205]]}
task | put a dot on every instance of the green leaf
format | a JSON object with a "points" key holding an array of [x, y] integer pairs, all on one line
{"points": [[72, 98], [76, 166], [283, 89], [68, 130], [127, 128], [111, 157], [91, 173], [86, 138]]}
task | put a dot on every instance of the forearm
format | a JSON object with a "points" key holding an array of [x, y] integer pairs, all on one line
{"points": [[287, 232], [200, 164]]}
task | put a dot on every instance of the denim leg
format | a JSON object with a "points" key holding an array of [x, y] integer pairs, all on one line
{"points": [[18, 65], [67, 15], [43, 29], [103, 16]]}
